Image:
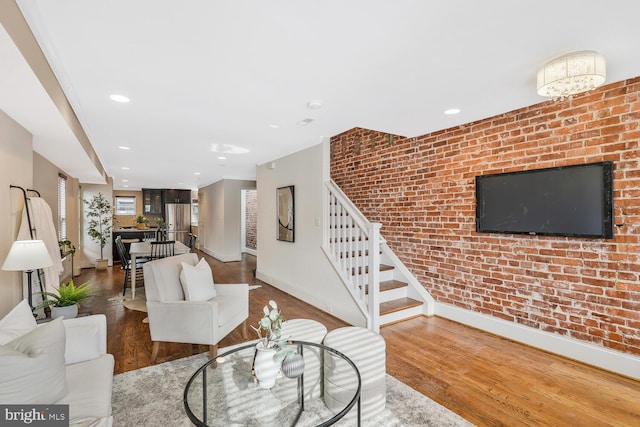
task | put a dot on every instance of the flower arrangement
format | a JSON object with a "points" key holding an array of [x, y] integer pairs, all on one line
{"points": [[270, 325]]}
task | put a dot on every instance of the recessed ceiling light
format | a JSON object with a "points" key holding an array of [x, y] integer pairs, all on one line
{"points": [[125, 186], [304, 122], [122, 147], [314, 105], [196, 173], [222, 158], [274, 126], [119, 98], [451, 111], [125, 180], [125, 168]]}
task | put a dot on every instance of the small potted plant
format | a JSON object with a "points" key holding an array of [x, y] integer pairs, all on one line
{"points": [[141, 222], [65, 302], [100, 216]]}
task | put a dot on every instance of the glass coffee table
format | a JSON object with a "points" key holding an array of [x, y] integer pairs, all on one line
{"points": [[223, 392]]}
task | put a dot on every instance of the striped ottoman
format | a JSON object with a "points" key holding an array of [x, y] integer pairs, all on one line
{"points": [[310, 331], [367, 350]]}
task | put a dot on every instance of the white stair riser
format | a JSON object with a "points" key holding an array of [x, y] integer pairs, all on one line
{"points": [[392, 294], [400, 315], [386, 275]]}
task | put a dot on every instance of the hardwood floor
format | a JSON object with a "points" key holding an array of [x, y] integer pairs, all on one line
{"points": [[488, 380]]}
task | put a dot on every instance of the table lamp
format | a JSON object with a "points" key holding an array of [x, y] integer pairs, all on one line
{"points": [[27, 255]]}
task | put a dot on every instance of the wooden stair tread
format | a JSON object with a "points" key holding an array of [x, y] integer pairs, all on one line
{"points": [[398, 304], [383, 267], [388, 285]]}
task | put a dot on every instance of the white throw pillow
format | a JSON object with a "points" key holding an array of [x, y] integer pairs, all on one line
{"points": [[197, 281], [33, 367], [17, 322]]}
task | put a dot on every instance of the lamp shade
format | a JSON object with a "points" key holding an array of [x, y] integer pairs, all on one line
{"points": [[27, 255], [571, 74]]}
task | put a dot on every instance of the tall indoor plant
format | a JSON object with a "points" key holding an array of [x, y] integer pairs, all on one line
{"points": [[100, 215]]}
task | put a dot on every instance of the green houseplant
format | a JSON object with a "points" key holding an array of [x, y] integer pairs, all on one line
{"points": [[100, 216], [141, 222], [65, 302]]}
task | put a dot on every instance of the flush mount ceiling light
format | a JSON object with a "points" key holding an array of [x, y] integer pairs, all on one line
{"points": [[574, 73], [122, 147], [119, 98], [452, 111], [314, 105], [304, 122]]}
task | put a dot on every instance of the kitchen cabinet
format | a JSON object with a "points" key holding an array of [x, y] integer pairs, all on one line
{"points": [[176, 196], [152, 201]]}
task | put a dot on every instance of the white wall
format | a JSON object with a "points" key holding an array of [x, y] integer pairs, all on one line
{"points": [[300, 268], [90, 250], [220, 209], [16, 168]]}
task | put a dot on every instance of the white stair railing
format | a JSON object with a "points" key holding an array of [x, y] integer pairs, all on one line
{"points": [[352, 245]]}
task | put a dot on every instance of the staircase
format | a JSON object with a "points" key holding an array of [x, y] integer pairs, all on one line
{"points": [[382, 287]]}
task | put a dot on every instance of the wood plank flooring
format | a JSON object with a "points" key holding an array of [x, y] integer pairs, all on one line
{"points": [[488, 380]]}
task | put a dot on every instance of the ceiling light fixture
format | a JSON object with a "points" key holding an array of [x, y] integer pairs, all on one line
{"points": [[125, 180], [574, 73], [125, 168], [314, 105], [119, 98], [122, 147], [222, 158], [274, 126], [452, 111], [304, 122], [196, 173]]}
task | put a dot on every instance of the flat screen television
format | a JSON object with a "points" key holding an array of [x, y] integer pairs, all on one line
{"points": [[572, 201]]}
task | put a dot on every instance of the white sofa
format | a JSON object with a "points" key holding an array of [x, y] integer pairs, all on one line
{"points": [[59, 362]]}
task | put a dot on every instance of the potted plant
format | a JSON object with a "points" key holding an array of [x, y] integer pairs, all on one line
{"points": [[100, 215], [65, 302], [266, 363], [141, 222]]}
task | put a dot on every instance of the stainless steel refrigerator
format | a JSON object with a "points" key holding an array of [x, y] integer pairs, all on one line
{"points": [[177, 217]]}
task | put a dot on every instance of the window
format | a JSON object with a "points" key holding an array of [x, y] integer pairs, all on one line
{"points": [[62, 207], [125, 205]]}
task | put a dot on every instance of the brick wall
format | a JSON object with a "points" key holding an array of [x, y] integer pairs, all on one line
{"points": [[422, 190], [251, 216]]}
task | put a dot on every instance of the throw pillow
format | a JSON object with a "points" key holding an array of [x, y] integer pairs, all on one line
{"points": [[33, 367], [197, 281], [17, 322]]}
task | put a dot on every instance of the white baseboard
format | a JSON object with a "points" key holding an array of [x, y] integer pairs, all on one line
{"points": [[220, 257], [571, 348], [250, 251]]}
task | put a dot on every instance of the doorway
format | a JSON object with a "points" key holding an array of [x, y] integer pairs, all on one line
{"points": [[249, 222]]}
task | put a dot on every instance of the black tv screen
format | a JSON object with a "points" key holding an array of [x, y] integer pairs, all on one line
{"points": [[564, 201]]}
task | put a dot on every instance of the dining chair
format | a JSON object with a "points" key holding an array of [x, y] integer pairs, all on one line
{"points": [[162, 249], [161, 234], [125, 263], [191, 242]]}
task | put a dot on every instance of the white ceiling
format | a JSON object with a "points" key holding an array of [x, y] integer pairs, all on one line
{"points": [[207, 78]]}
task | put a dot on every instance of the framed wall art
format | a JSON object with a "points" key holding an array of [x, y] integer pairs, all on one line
{"points": [[285, 213]]}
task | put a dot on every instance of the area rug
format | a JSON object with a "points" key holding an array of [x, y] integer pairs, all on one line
{"points": [[152, 396], [139, 303]]}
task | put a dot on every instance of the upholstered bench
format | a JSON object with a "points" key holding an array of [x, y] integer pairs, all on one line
{"points": [[367, 350], [310, 331]]}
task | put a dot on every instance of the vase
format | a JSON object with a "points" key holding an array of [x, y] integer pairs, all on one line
{"points": [[293, 365], [67, 312], [265, 367]]}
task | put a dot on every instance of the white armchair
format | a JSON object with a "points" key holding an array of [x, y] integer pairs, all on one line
{"points": [[172, 319]]}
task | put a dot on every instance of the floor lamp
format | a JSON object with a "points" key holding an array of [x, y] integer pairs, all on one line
{"points": [[27, 256]]}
